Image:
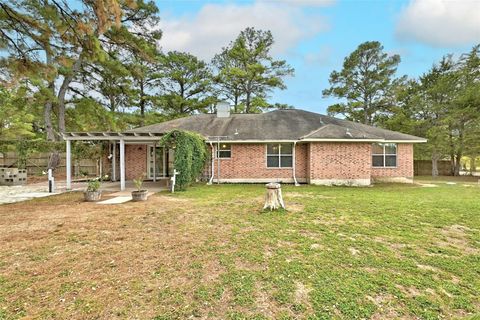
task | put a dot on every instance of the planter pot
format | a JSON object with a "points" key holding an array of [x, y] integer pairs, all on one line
{"points": [[139, 195], [92, 196]]}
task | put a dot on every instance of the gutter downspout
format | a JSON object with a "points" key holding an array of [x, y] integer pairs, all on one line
{"points": [[293, 164], [213, 163]]}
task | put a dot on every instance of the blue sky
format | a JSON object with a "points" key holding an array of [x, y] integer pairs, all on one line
{"points": [[314, 36]]}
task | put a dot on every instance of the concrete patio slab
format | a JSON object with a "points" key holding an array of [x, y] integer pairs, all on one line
{"points": [[116, 200], [11, 194]]}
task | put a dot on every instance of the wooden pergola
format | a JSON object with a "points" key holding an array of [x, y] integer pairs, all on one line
{"points": [[121, 137]]}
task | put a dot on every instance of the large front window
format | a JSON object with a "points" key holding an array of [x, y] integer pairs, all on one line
{"points": [[384, 155], [279, 155]]}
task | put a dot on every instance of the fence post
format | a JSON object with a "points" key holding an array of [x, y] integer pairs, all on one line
{"points": [[69, 165]]}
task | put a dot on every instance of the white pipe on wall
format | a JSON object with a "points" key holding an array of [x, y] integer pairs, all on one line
{"points": [[293, 164]]}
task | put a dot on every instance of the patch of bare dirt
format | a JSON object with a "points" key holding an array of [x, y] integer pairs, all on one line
{"points": [[456, 236], [353, 251], [394, 247], [386, 305], [306, 195], [264, 304], [243, 264], [410, 292], [427, 268], [301, 296], [294, 207]]}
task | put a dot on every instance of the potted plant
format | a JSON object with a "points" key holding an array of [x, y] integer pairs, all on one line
{"points": [[139, 194], [93, 192]]}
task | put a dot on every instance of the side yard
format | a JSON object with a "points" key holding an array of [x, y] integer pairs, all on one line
{"points": [[389, 251]]}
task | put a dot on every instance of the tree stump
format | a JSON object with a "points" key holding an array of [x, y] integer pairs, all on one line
{"points": [[273, 197]]}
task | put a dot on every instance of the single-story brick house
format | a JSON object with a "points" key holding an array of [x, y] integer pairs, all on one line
{"points": [[291, 146]]}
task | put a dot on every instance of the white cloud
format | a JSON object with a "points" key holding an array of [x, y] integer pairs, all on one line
{"points": [[303, 3], [440, 22], [216, 25], [322, 57]]}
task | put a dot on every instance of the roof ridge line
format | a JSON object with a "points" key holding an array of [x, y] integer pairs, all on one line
{"points": [[316, 130]]}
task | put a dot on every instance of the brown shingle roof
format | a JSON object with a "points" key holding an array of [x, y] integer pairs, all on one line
{"points": [[290, 124]]}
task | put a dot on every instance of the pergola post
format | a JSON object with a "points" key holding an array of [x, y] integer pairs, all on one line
{"points": [[122, 164], [155, 161], [69, 164], [114, 161]]}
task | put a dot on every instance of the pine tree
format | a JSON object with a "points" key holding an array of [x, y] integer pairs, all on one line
{"points": [[248, 72], [365, 82]]}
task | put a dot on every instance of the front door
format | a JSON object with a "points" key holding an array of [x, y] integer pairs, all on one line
{"points": [[156, 163]]}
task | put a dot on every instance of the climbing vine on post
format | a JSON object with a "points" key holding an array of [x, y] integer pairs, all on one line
{"points": [[190, 155]]}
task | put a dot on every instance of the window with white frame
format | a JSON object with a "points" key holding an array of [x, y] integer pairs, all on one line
{"points": [[279, 155], [224, 151], [384, 155]]}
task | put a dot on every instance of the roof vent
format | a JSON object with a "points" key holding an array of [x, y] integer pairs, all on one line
{"points": [[223, 109]]}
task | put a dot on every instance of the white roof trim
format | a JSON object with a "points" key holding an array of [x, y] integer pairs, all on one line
{"points": [[319, 140], [341, 140], [406, 141], [251, 141]]}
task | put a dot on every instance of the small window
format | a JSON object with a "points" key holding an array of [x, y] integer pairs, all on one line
{"points": [[224, 151], [279, 155], [384, 155]]}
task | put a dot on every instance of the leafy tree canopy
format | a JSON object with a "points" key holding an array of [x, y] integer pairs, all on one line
{"points": [[365, 82], [247, 72]]}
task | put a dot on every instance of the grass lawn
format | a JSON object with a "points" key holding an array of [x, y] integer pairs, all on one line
{"points": [[385, 252]]}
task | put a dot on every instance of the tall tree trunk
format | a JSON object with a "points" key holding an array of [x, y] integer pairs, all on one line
{"points": [[142, 105], [473, 168], [459, 153], [112, 106], [247, 102], [452, 152], [435, 158], [365, 110], [458, 164], [47, 116], [47, 112], [62, 92], [235, 106]]}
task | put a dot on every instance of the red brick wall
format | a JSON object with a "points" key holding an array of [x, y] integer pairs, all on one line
{"points": [[404, 167], [339, 161], [314, 161], [248, 161], [301, 165], [135, 161]]}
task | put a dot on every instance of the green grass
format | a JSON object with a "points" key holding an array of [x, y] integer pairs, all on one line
{"points": [[395, 250], [383, 252]]}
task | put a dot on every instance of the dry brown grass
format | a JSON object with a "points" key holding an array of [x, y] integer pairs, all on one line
{"points": [[67, 258]]}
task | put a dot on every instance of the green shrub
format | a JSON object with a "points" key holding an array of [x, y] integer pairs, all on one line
{"points": [[93, 185], [139, 182]]}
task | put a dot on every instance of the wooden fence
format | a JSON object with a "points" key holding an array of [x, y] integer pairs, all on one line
{"points": [[424, 168], [37, 163]]}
